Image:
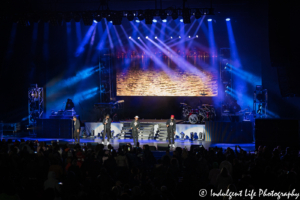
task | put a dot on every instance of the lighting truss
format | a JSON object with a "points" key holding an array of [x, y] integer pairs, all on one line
{"points": [[35, 103], [56, 18]]}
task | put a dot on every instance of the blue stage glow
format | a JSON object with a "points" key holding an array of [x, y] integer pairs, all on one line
{"points": [[87, 37], [87, 94], [154, 20], [164, 20], [209, 20], [137, 21], [227, 19]]}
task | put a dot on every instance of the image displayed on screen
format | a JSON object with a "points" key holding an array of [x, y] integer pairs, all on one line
{"points": [[189, 73]]}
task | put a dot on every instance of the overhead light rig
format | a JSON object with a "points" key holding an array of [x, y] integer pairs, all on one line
{"points": [[116, 17]]}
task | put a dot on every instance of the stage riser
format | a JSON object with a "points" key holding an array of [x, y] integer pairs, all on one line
{"points": [[229, 132]]}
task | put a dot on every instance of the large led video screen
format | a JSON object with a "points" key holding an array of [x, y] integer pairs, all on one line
{"points": [[178, 73]]}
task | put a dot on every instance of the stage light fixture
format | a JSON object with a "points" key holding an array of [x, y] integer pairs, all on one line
{"points": [[154, 20], [137, 21], [141, 16], [117, 18], [68, 17], [76, 17], [171, 37], [155, 37], [97, 17], [174, 14], [146, 37], [197, 14], [95, 21], [181, 20], [129, 37], [186, 16], [110, 21], [87, 18], [209, 20], [130, 16], [138, 38], [148, 17], [227, 19], [56, 19], [189, 36], [179, 37], [164, 20], [196, 36], [163, 15]]}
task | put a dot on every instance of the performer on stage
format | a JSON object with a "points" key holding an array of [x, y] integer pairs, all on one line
{"points": [[69, 104], [76, 128], [234, 108], [171, 125], [135, 127], [106, 131]]}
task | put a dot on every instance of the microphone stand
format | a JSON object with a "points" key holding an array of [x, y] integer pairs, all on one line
{"points": [[72, 131], [104, 132]]}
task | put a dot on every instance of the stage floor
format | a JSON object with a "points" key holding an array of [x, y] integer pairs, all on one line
{"points": [[156, 121], [115, 142]]}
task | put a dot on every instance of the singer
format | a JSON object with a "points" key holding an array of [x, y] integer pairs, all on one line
{"points": [[76, 129], [106, 131], [171, 125]]}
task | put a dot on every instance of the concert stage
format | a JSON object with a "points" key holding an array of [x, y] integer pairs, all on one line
{"points": [[211, 131], [211, 134]]}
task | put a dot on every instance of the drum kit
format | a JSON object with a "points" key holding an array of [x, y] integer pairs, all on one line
{"points": [[201, 114]]}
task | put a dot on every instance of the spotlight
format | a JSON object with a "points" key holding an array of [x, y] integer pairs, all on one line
{"points": [[154, 20], [196, 36], [138, 38], [148, 17], [164, 20], [130, 16], [155, 37], [110, 21], [179, 37], [209, 20], [97, 17], [181, 20], [137, 21], [129, 37], [197, 14], [147, 37], [227, 19], [95, 21], [189, 36], [174, 14], [171, 37]]}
